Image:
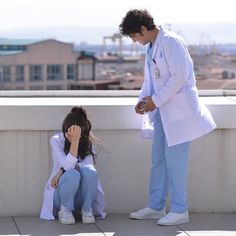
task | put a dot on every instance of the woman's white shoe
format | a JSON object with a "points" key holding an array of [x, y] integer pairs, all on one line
{"points": [[66, 217], [88, 217]]}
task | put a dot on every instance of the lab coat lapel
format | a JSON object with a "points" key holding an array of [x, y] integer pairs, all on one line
{"points": [[157, 42]]}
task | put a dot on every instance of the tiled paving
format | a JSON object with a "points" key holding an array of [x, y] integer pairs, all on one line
{"points": [[121, 225]]}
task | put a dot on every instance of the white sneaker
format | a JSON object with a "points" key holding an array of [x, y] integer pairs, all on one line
{"points": [[174, 219], [66, 217], [148, 214], [87, 217]]}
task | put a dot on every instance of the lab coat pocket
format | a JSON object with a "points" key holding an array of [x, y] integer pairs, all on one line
{"points": [[159, 67], [178, 108]]}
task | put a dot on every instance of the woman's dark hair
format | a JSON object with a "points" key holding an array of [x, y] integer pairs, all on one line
{"points": [[78, 116], [133, 21]]}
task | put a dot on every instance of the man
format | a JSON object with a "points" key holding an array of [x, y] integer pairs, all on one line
{"points": [[169, 95]]}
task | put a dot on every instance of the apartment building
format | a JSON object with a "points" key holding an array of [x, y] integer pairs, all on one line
{"points": [[44, 65]]}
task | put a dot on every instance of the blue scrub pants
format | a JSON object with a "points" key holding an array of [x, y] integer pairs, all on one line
{"points": [[169, 171], [77, 189]]}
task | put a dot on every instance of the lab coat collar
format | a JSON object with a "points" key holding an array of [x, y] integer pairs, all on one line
{"points": [[158, 40]]}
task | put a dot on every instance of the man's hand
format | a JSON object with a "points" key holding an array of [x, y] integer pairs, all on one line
{"points": [[145, 105], [150, 105], [139, 108]]}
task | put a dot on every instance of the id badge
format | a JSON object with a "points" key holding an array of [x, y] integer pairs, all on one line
{"points": [[156, 70], [157, 73]]}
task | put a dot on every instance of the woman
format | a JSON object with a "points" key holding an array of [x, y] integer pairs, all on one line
{"points": [[73, 183]]}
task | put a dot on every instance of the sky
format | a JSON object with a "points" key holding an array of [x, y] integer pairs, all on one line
{"points": [[29, 13], [23, 14]]}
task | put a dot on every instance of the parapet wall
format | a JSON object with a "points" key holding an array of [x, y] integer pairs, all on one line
{"points": [[27, 122]]}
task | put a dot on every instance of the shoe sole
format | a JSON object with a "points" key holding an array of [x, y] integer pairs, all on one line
{"points": [[67, 223], [176, 223], [92, 222], [89, 221], [146, 218]]}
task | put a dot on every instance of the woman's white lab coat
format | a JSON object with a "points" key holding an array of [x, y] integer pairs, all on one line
{"points": [[172, 86], [60, 159]]}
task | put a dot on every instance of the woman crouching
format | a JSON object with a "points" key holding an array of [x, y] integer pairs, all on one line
{"points": [[73, 183]]}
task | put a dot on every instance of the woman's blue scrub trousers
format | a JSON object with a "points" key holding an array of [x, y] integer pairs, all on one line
{"points": [[77, 189]]}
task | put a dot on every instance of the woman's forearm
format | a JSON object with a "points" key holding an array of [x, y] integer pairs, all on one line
{"points": [[74, 147]]}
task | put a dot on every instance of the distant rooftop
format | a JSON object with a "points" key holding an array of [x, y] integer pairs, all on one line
{"points": [[11, 52], [14, 46], [18, 42]]}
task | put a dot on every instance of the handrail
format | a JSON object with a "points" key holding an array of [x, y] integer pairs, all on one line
{"points": [[99, 93]]}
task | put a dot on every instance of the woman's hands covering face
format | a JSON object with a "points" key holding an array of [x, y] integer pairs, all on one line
{"points": [[73, 133]]}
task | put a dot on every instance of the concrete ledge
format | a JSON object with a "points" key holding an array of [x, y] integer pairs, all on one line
{"points": [[34, 113], [28, 122]]}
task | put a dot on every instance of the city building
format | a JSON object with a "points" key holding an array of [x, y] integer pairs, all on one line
{"points": [[46, 65], [53, 65]]}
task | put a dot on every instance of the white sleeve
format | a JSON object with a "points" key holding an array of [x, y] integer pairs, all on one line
{"points": [[143, 91], [66, 161], [177, 58]]}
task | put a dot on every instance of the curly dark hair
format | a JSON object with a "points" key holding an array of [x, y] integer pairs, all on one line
{"points": [[133, 21], [78, 116]]}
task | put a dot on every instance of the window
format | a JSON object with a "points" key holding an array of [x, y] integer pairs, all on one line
{"points": [[20, 88], [55, 87], [5, 73], [87, 87], [81, 87], [36, 88], [71, 69], [1, 74], [36, 72], [85, 70], [54, 72], [19, 73]]}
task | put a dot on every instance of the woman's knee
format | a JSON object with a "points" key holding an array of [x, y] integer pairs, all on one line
{"points": [[88, 172], [72, 175]]}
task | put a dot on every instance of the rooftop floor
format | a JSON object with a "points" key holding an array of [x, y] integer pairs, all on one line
{"points": [[121, 225]]}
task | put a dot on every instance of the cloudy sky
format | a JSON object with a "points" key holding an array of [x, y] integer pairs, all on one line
{"points": [[40, 13], [17, 15]]}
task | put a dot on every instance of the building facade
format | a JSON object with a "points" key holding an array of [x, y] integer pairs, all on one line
{"points": [[44, 65]]}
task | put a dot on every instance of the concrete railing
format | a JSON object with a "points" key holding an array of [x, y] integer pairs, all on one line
{"points": [[28, 119]]}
